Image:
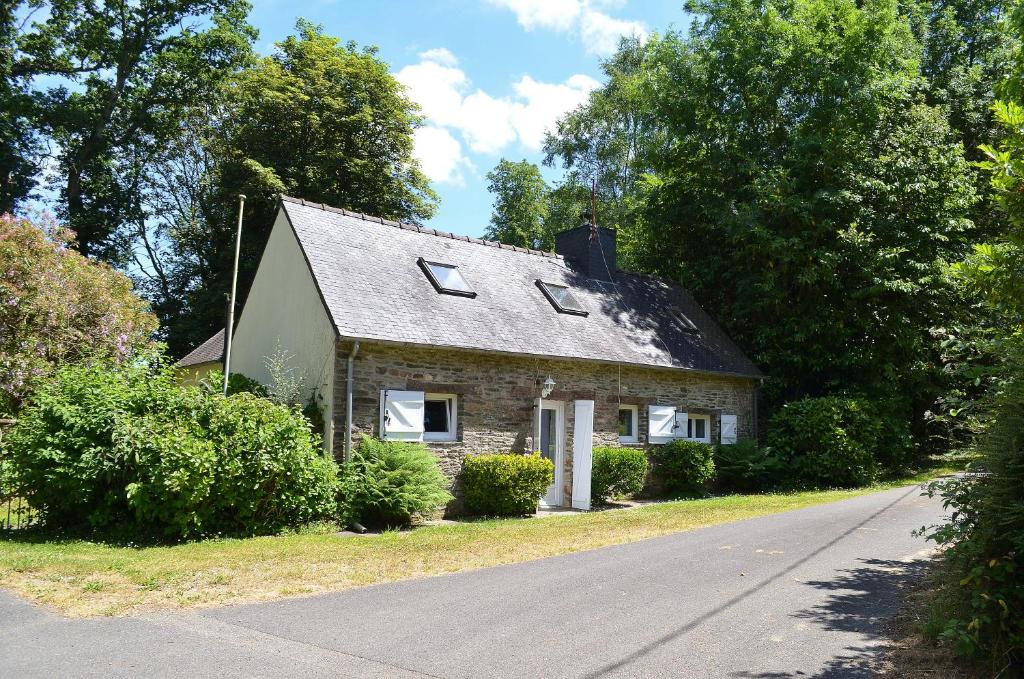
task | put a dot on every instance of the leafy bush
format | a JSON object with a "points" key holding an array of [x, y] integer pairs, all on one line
{"points": [[617, 471], [125, 451], [685, 467], [57, 306], [505, 485], [387, 482], [743, 467], [985, 536], [213, 382], [828, 441]]}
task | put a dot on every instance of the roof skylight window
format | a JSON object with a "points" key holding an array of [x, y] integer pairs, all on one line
{"points": [[446, 278], [562, 299], [683, 321]]}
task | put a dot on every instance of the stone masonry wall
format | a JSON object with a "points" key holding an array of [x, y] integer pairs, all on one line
{"points": [[496, 397]]}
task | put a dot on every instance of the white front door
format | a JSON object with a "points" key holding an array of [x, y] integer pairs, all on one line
{"points": [[552, 446]]}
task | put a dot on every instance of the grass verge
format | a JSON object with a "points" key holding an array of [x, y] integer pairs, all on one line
{"points": [[81, 578]]}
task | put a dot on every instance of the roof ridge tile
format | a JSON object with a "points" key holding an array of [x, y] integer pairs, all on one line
{"points": [[414, 227]]}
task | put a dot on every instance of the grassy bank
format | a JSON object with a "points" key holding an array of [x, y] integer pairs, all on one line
{"points": [[81, 578]]}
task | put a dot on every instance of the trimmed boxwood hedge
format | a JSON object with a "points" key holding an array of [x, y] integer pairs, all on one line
{"points": [[617, 471], [505, 485], [685, 467]]}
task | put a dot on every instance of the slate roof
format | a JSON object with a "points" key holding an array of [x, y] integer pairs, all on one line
{"points": [[212, 350], [367, 274]]}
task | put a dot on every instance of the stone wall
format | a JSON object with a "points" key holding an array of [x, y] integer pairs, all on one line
{"points": [[496, 396]]}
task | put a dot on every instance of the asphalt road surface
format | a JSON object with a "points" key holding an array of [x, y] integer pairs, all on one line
{"points": [[799, 594]]}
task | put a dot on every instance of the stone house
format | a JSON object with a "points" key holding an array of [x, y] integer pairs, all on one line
{"points": [[471, 346]]}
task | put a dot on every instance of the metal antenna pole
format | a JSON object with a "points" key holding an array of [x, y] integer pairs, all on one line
{"points": [[234, 290]]}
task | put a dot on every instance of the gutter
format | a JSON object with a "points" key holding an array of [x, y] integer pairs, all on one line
{"points": [[348, 401]]}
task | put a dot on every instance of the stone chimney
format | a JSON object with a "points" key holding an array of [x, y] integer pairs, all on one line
{"points": [[588, 250]]}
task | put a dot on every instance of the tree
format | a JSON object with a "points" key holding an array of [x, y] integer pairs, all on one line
{"points": [[58, 307], [794, 176], [19, 149], [520, 205], [609, 143], [320, 119], [127, 71]]}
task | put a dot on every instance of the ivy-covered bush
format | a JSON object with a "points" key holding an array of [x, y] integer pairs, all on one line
{"points": [[744, 467], [829, 441], [57, 306], [684, 467], [617, 471], [505, 485], [122, 450], [388, 482]]}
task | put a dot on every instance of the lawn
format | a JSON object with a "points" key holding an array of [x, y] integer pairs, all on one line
{"points": [[81, 578]]}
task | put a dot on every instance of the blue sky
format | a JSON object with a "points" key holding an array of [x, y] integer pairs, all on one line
{"points": [[490, 75]]}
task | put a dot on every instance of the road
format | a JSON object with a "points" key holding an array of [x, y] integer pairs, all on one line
{"points": [[799, 594]]}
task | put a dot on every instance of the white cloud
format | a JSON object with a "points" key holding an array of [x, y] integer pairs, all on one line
{"points": [[545, 104], [487, 123], [441, 56], [599, 32], [440, 155], [557, 14]]}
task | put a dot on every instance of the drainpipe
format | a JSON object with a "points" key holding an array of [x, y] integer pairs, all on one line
{"points": [[348, 402]]}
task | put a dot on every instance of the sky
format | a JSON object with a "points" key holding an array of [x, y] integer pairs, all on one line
{"points": [[490, 76]]}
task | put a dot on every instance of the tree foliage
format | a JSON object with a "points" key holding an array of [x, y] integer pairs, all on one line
{"points": [[125, 74], [791, 171], [57, 306], [520, 205]]}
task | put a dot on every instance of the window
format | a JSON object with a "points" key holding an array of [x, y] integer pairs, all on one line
{"points": [[562, 299], [439, 417], [628, 422], [446, 278], [698, 428], [682, 321]]}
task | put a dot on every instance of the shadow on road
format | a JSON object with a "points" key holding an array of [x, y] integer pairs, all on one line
{"points": [[680, 631], [864, 599]]}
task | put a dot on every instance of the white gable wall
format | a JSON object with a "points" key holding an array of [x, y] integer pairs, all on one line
{"points": [[284, 307]]}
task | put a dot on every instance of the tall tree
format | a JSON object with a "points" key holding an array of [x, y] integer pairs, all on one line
{"points": [[520, 205], [609, 142], [798, 180], [128, 72], [320, 119], [19, 150]]}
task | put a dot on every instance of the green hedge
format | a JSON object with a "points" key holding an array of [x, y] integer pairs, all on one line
{"points": [[744, 467], [505, 485], [839, 441], [684, 467], [126, 452], [617, 471], [388, 482]]}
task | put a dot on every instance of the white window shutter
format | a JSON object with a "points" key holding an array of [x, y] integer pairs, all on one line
{"points": [[660, 423], [401, 415], [682, 425], [728, 429]]}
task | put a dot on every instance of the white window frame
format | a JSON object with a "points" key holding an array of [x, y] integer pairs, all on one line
{"points": [[707, 427], [635, 437], [453, 421]]}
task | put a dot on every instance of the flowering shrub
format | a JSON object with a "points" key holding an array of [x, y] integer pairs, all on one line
{"points": [[57, 306]]}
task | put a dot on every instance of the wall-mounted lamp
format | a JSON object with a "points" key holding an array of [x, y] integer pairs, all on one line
{"points": [[547, 387]]}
